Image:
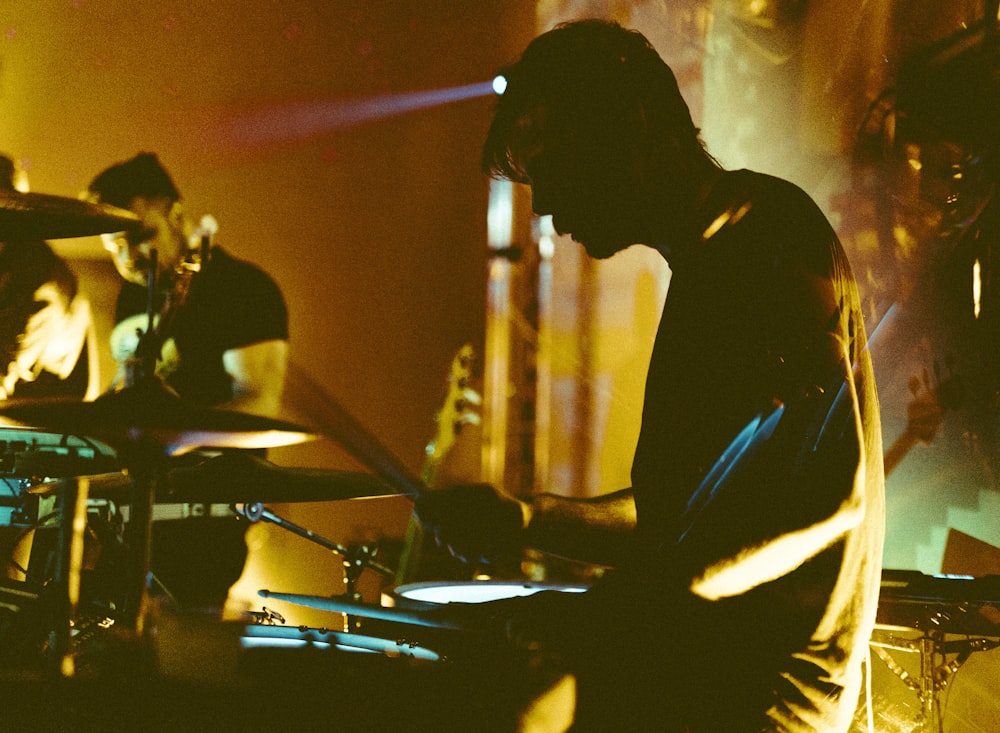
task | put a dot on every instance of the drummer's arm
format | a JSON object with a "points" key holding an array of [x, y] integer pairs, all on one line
{"points": [[593, 530], [258, 376]]}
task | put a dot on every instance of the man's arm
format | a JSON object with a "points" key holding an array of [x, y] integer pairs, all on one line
{"points": [[478, 523], [594, 530], [258, 374]]}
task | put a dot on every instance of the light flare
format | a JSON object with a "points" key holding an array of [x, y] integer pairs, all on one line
{"points": [[299, 120], [977, 287]]}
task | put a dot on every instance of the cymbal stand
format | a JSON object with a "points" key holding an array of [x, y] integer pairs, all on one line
{"points": [[355, 558], [143, 466], [143, 461], [935, 669], [66, 578]]}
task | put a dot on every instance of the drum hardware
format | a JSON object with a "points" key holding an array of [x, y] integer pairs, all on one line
{"points": [[266, 617], [355, 558], [922, 614], [935, 668], [66, 580], [147, 423], [933, 603]]}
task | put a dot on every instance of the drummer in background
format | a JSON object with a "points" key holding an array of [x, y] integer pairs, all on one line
{"points": [[747, 551], [47, 338], [226, 346]]}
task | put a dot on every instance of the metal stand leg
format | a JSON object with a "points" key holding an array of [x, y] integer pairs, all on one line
{"points": [[935, 669], [69, 560]]}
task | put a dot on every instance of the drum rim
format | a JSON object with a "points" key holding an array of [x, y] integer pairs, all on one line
{"points": [[254, 636], [407, 590]]}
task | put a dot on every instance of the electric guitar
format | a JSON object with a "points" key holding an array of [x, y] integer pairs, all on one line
{"points": [[458, 410]]}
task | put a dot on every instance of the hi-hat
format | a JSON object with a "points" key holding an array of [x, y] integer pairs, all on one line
{"points": [[25, 216], [150, 415]]}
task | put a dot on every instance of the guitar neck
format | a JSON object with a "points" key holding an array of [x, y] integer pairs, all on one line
{"points": [[899, 450]]}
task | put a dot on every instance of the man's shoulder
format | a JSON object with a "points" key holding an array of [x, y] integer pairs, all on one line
{"points": [[765, 187], [222, 265], [780, 205], [223, 260]]}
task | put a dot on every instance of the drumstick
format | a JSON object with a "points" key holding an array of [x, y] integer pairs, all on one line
{"points": [[339, 604], [335, 422]]}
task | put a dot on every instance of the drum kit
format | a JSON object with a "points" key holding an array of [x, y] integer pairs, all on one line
{"points": [[58, 456], [62, 456]]}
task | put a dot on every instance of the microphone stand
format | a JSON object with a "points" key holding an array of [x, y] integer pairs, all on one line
{"points": [[143, 459]]}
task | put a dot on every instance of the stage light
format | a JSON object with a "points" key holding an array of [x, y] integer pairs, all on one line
{"points": [[977, 288], [499, 83]]}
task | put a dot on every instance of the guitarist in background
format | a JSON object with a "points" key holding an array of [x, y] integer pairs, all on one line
{"points": [[225, 345]]}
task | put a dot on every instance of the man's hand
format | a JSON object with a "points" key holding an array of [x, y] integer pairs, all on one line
{"points": [[475, 523]]}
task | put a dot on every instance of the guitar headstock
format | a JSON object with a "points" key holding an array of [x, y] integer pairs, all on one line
{"points": [[460, 408]]}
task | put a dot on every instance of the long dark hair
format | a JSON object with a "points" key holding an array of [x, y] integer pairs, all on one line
{"points": [[592, 75]]}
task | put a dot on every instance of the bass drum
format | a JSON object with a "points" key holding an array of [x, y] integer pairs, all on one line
{"points": [[474, 591]]}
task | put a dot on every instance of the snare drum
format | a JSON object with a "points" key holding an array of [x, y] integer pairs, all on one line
{"points": [[476, 591], [261, 636]]}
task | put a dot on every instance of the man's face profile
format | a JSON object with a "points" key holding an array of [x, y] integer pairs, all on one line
{"points": [[579, 177]]}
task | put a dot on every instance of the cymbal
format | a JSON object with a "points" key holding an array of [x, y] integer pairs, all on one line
{"points": [[25, 216], [244, 477], [149, 414], [238, 478]]}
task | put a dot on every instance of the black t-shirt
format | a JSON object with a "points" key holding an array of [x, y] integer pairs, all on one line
{"points": [[231, 303]]}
